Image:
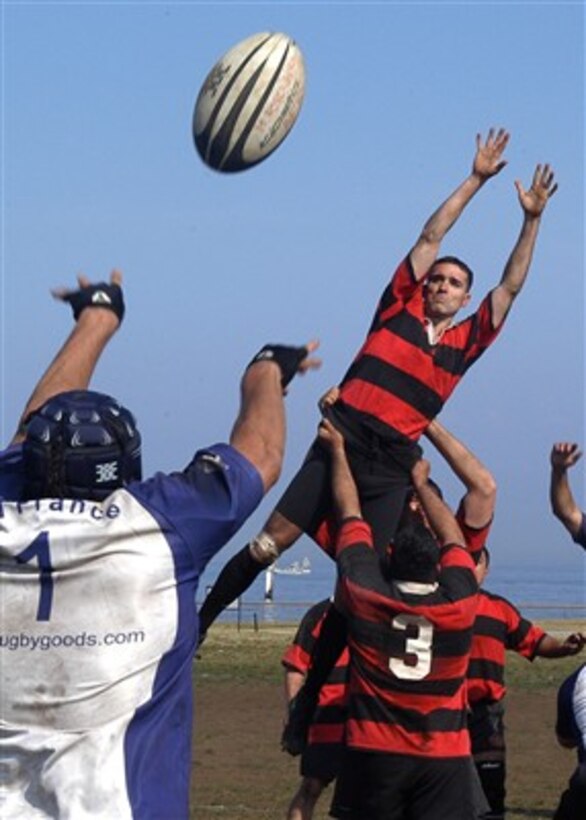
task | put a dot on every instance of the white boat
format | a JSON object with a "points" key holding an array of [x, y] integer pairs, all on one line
{"points": [[302, 567]]}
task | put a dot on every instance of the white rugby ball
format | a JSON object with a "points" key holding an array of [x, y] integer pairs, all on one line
{"points": [[249, 102]]}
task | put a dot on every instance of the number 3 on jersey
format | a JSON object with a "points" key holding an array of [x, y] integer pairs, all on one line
{"points": [[418, 647], [39, 549]]}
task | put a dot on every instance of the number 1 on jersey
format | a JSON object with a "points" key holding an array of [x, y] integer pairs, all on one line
{"points": [[39, 549]]}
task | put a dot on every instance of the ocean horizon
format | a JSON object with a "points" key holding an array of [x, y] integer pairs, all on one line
{"points": [[539, 592]]}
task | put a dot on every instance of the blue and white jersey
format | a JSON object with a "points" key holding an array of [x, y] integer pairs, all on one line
{"points": [[98, 633], [571, 710]]}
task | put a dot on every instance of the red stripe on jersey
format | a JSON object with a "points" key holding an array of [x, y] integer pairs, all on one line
{"points": [[475, 537], [325, 536], [296, 658], [498, 626], [352, 532], [392, 738]]}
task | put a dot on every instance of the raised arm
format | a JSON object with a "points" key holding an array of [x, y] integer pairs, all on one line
{"points": [[533, 203], [487, 163], [440, 517], [564, 455], [344, 491], [259, 430], [479, 500], [98, 310]]}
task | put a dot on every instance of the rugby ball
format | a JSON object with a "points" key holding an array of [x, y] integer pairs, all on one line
{"points": [[249, 102]]}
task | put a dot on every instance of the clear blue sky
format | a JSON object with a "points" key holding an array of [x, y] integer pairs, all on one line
{"points": [[98, 170]]}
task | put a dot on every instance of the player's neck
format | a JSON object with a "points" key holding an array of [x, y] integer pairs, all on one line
{"points": [[437, 326]]}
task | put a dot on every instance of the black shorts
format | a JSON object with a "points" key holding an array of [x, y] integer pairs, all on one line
{"points": [[379, 786], [322, 761], [381, 478]]}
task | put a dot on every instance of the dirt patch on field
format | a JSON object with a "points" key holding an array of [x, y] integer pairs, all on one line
{"points": [[240, 772]]}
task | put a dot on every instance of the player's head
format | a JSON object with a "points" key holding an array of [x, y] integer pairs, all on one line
{"points": [[482, 563], [414, 555], [413, 511], [447, 287], [80, 444], [455, 261]]}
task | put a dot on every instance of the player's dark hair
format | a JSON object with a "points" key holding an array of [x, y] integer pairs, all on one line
{"points": [[414, 555], [80, 444], [454, 260], [409, 515]]}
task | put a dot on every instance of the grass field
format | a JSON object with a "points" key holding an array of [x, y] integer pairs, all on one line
{"points": [[241, 774]]}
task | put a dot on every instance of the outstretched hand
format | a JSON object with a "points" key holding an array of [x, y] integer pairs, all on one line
{"points": [[290, 360], [574, 643], [564, 454], [488, 160], [330, 436], [102, 295], [542, 189], [309, 362], [329, 398]]}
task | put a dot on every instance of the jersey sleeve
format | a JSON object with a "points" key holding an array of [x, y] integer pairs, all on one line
{"points": [[476, 333], [456, 576], [353, 531], [207, 502], [402, 287], [523, 636], [474, 537]]}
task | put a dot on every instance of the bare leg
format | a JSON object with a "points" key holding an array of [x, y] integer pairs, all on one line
{"points": [[305, 799]]}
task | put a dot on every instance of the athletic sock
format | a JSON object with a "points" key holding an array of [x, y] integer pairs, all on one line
{"points": [[235, 578]]}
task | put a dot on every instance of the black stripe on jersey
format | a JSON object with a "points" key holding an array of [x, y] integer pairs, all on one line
{"points": [[517, 637], [305, 637], [407, 388], [486, 670], [386, 681], [383, 638], [330, 714], [338, 675], [460, 581], [361, 563], [452, 359], [364, 707], [449, 358], [490, 627]]}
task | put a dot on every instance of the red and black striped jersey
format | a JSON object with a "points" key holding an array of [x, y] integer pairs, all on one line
{"points": [[409, 648], [329, 722], [399, 380], [498, 626], [475, 538]]}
